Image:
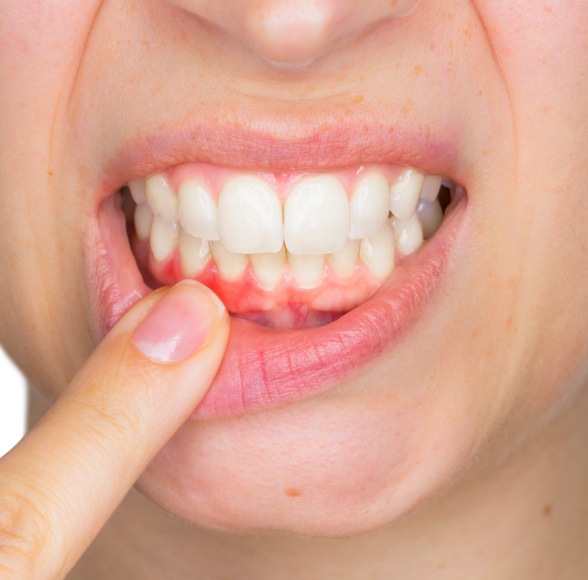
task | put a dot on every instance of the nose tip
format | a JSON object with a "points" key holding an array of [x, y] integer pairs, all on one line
{"points": [[293, 32]]}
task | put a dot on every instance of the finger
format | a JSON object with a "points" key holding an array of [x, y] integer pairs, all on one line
{"points": [[64, 480]]}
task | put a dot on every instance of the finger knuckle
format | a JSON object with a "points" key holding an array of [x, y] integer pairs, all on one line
{"points": [[24, 532]]}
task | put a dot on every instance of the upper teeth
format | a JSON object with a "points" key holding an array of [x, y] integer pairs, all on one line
{"points": [[318, 218]]}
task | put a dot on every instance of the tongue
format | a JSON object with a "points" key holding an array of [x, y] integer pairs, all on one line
{"points": [[285, 306]]}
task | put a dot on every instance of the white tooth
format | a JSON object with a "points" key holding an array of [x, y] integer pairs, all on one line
{"points": [[369, 206], [344, 262], [143, 221], [197, 210], [230, 265], [161, 198], [164, 238], [250, 216], [137, 188], [404, 193], [408, 234], [268, 268], [378, 252], [431, 187], [430, 215], [194, 254], [316, 216], [307, 269]]}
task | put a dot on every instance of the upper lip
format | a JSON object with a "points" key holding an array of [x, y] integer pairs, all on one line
{"points": [[285, 147]]}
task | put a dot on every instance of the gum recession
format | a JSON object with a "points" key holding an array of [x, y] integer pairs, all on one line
{"points": [[265, 367]]}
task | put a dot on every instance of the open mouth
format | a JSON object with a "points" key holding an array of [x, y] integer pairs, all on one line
{"points": [[319, 271]]}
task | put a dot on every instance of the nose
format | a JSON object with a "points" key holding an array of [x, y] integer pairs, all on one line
{"points": [[295, 31]]}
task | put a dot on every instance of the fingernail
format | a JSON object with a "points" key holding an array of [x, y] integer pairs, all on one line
{"points": [[179, 323]]}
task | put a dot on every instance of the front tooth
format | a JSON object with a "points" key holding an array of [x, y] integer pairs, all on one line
{"points": [[164, 238], [143, 222], [307, 269], [197, 210], [431, 187], [137, 188], [268, 268], [404, 193], [344, 262], [408, 234], [316, 216], [161, 198], [378, 252], [431, 216], [250, 216], [369, 206], [230, 265], [194, 255]]}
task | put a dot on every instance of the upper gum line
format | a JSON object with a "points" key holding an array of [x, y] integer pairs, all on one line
{"points": [[282, 183]]}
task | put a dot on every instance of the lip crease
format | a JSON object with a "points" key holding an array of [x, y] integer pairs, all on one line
{"points": [[266, 367]]}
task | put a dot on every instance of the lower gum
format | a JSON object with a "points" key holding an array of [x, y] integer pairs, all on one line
{"points": [[245, 297]]}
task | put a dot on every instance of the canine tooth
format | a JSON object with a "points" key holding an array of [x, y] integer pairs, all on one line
{"points": [[408, 234], [430, 215], [431, 187], [344, 261], [197, 210], [164, 238], [404, 193], [308, 269], [250, 216], [378, 252], [229, 264], [316, 216], [268, 268], [161, 198], [369, 206], [137, 188], [143, 221], [194, 254]]}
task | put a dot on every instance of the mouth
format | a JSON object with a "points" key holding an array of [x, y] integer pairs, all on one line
{"points": [[320, 270]]}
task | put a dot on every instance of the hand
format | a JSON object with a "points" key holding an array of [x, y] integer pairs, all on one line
{"points": [[62, 482]]}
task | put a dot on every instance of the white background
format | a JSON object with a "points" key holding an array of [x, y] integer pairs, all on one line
{"points": [[12, 404]]}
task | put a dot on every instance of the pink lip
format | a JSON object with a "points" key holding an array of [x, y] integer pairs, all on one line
{"points": [[265, 367], [285, 147]]}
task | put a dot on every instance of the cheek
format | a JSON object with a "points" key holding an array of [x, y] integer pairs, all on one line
{"points": [[538, 44]]}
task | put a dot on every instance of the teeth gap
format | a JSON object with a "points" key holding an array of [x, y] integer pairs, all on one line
{"points": [[446, 194], [127, 203]]}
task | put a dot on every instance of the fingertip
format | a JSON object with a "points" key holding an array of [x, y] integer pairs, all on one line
{"points": [[180, 324]]}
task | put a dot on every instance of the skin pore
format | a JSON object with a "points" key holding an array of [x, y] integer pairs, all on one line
{"points": [[459, 451]]}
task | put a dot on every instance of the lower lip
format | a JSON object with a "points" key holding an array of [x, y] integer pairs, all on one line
{"points": [[265, 367]]}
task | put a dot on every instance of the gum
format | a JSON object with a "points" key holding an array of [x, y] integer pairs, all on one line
{"points": [[215, 176], [284, 306]]}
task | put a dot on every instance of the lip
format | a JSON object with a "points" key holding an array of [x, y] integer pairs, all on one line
{"points": [[279, 146], [265, 367]]}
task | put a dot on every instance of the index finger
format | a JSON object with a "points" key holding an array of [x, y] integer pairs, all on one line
{"points": [[64, 480]]}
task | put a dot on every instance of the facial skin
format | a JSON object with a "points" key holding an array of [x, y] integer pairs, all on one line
{"points": [[494, 358]]}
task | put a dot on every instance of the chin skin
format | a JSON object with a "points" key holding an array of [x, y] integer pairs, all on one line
{"points": [[490, 359], [330, 467]]}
